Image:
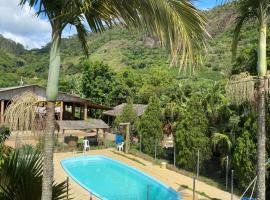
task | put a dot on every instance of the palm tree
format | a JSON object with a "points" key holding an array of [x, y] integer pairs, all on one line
{"points": [[177, 23], [257, 9], [21, 172]]}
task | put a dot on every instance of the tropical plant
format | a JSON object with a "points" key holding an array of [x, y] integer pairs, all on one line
{"points": [[177, 24], [259, 9], [21, 177], [221, 141], [4, 150], [4, 134]]}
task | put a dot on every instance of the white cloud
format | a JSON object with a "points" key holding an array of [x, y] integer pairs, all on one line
{"points": [[21, 25]]}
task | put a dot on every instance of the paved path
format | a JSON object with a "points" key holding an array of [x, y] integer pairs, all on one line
{"points": [[168, 177]]}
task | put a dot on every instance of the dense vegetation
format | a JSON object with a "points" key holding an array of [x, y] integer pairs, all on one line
{"points": [[123, 65]]}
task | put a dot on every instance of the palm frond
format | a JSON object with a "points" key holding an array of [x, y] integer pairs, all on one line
{"points": [[82, 34], [218, 138], [240, 21], [21, 113], [178, 24], [21, 173]]}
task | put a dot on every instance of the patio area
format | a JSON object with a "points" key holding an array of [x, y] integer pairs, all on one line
{"points": [[168, 177]]}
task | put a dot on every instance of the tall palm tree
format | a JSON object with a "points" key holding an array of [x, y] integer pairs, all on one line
{"points": [[259, 10], [177, 23]]}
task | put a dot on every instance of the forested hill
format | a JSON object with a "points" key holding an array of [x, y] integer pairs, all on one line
{"points": [[120, 49]]}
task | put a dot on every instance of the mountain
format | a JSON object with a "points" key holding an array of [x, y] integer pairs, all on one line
{"points": [[120, 49]]}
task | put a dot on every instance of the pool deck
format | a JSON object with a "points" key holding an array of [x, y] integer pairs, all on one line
{"points": [[168, 177]]}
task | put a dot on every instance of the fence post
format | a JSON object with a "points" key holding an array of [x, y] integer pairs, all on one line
{"points": [[194, 188], [140, 142], [232, 186], [227, 171], [198, 163], [174, 160], [155, 148], [67, 187], [91, 196]]}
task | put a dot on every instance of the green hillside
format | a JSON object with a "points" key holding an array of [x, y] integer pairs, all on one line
{"points": [[121, 49]]}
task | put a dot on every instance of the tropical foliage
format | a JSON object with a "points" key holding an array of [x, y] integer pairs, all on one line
{"points": [[123, 65], [96, 81], [21, 177]]}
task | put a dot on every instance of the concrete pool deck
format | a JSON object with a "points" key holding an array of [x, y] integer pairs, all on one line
{"points": [[168, 177]]}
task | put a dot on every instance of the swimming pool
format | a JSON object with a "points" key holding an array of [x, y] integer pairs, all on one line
{"points": [[112, 180]]}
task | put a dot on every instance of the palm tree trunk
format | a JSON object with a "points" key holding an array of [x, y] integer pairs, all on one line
{"points": [[262, 67], [51, 94]]}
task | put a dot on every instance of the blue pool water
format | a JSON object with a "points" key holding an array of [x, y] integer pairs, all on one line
{"points": [[113, 180]]}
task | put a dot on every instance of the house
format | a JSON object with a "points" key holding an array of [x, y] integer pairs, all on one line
{"points": [[72, 112], [68, 106]]}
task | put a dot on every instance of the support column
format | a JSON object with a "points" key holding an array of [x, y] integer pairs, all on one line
{"points": [[61, 110], [85, 111], [73, 110], [2, 111]]}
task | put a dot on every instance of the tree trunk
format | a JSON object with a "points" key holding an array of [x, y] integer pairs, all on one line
{"points": [[261, 140], [262, 67], [51, 94]]}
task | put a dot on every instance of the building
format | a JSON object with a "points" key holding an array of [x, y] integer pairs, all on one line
{"points": [[69, 106], [71, 113], [110, 115]]}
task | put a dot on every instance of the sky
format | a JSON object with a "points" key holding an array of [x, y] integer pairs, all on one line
{"points": [[21, 25]]}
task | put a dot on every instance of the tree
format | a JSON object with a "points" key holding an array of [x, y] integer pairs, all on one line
{"points": [[191, 133], [97, 81], [177, 24], [127, 115], [244, 156], [150, 127], [250, 9]]}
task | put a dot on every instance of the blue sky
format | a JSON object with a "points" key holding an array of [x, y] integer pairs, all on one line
{"points": [[21, 24], [205, 4]]}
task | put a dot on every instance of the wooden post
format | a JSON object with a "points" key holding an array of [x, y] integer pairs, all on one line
{"points": [[67, 187], [232, 185], [140, 142], [63, 131], [198, 163], [155, 148], [61, 110], [85, 111], [2, 111], [73, 110], [174, 157], [194, 188], [127, 139], [227, 171]]}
